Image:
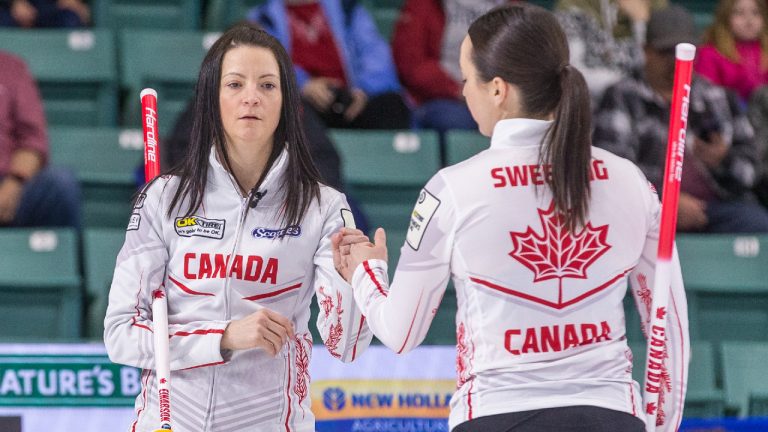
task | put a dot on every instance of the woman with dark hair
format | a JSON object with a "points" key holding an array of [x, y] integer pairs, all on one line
{"points": [[540, 234], [239, 235]]}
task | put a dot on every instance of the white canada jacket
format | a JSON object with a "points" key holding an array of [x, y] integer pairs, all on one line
{"points": [[540, 321], [225, 262]]}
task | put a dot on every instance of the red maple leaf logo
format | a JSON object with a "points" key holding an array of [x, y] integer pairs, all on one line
{"points": [[163, 381], [650, 408], [557, 253], [660, 312]]}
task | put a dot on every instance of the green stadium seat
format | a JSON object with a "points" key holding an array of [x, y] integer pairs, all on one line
{"points": [[758, 404], [76, 72], [100, 248], [725, 280], [166, 60], [104, 160], [382, 4], [395, 241], [149, 14], [744, 373], [703, 20], [461, 145], [703, 11], [385, 21], [40, 284], [385, 170], [223, 13], [634, 331], [704, 399]]}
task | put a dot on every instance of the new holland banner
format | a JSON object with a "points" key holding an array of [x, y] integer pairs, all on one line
{"points": [[383, 391]]}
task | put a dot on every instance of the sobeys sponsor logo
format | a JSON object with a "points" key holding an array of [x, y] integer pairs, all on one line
{"points": [[66, 380], [278, 233]]}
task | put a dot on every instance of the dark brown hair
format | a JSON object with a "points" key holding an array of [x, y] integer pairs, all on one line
{"points": [[525, 46], [301, 180]]}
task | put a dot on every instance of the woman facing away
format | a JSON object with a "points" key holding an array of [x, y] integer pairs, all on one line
{"points": [[240, 238], [540, 234]]}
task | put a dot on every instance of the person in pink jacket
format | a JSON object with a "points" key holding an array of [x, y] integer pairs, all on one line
{"points": [[735, 50]]}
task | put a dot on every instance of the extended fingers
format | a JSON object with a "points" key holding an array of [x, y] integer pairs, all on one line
{"points": [[280, 321], [353, 239], [344, 239], [273, 331]]}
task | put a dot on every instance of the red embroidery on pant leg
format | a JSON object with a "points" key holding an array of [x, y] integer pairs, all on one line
{"points": [[303, 353]]}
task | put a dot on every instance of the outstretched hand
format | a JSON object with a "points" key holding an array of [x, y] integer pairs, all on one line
{"points": [[346, 263], [341, 243]]}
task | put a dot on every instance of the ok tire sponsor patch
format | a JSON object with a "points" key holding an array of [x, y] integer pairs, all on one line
{"points": [[196, 226]]}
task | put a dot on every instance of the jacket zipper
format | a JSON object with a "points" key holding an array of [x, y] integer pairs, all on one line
{"points": [[227, 311], [244, 213]]}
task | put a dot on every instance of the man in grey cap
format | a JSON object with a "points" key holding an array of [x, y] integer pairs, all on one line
{"points": [[632, 121]]}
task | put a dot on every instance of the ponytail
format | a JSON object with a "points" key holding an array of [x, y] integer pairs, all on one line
{"points": [[567, 148], [524, 45]]}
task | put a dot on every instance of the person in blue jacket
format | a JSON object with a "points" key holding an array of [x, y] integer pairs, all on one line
{"points": [[343, 65]]}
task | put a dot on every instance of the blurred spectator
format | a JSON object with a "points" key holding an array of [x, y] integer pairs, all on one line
{"points": [[721, 157], [44, 13], [605, 38], [343, 65], [425, 46], [32, 193], [758, 115], [735, 50]]}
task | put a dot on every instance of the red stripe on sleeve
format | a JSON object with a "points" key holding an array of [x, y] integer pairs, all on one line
{"points": [[415, 314], [359, 329], [136, 307], [141, 325], [143, 399], [682, 363], [204, 365], [373, 278], [198, 332]]}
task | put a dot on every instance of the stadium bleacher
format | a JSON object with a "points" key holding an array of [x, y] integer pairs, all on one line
{"points": [[166, 60], [100, 249], [148, 14], [76, 72], [104, 160], [40, 284]]}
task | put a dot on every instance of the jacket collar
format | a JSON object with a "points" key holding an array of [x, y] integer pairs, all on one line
{"points": [[220, 177], [519, 132]]}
